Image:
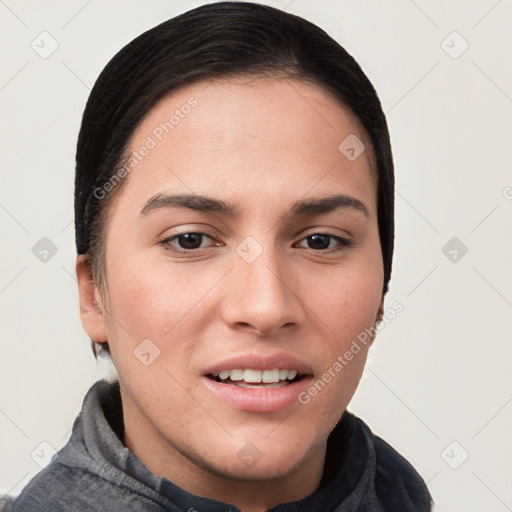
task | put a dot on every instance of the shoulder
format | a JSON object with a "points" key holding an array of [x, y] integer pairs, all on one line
{"points": [[50, 490], [6, 503], [397, 483], [61, 488]]}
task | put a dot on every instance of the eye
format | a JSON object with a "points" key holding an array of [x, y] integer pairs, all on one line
{"points": [[323, 241], [190, 242], [185, 242]]}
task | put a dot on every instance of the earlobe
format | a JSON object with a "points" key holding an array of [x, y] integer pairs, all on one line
{"points": [[91, 308]]}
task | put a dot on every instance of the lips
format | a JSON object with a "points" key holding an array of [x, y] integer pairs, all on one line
{"points": [[259, 384], [259, 362]]}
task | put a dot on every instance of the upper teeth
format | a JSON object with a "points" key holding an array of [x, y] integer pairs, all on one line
{"points": [[267, 376]]}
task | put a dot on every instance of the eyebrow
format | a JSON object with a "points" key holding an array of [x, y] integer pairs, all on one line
{"points": [[303, 207]]}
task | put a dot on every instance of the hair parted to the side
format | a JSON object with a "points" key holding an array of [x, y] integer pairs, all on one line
{"points": [[219, 40]]}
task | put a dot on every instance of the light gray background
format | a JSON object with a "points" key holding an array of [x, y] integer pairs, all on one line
{"points": [[439, 373]]}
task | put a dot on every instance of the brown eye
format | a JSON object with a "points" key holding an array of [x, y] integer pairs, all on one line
{"points": [[190, 240], [323, 241], [187, 242]]}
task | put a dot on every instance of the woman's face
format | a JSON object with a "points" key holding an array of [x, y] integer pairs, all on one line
{"points": [[269, 259]]}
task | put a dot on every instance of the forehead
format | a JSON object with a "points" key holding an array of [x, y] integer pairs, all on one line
{"points": [[263, 138]]}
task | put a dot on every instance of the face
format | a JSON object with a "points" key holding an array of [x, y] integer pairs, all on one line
{"points": [[243, 244]]}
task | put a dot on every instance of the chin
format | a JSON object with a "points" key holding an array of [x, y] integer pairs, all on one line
{"points": [[263, 459], [265, 468]]}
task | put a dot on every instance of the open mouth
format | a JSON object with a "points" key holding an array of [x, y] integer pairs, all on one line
{"points": [[249, 378], [260, 385]]}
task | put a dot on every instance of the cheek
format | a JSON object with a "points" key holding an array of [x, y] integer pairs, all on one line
{"points": [[348, 301], [349, 314], [156, 300], [163, 304], [347, 304]]}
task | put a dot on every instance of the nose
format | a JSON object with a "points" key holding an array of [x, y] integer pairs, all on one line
{"points": [[261, 296]]}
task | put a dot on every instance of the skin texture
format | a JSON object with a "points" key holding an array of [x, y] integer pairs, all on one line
{"points": [[260, 144]]}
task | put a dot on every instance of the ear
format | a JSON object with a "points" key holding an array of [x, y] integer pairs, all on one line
{"points": [[92, 310], [378, 318], [380, 312]]}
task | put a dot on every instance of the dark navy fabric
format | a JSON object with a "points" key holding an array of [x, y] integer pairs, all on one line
{"points": [[94, 471]]}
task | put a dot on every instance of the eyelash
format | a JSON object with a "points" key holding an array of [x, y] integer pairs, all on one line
{"points": [[165, 243]]}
